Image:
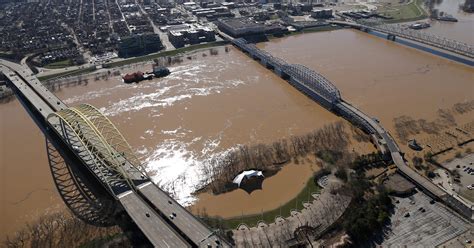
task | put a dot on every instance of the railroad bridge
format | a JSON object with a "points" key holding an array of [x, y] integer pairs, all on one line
{"points": [[97, 174], [395, 30]]}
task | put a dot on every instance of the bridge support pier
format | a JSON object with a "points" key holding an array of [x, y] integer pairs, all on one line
{"points": [[280, 73], [267, 64]]}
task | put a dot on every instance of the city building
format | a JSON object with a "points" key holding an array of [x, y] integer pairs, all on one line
{"points": [[238, 27], [321, 13], [180, 35], [137, 45]]}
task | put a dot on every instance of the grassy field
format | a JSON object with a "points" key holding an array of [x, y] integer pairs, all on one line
{"points": [[162, 54], [59, 64], [406, 12], [284, 210]]}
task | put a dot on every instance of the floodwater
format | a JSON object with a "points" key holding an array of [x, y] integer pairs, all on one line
{"points": [[276, 190], [463, 30], [273, 194], [382, 78], [26, 186], [208, 105]]}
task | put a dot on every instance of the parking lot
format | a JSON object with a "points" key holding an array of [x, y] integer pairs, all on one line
{"points": [[419, 222], [465, 167]]}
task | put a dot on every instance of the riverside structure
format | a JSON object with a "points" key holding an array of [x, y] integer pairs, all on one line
{"points": [[450, 49], [327, 95]]}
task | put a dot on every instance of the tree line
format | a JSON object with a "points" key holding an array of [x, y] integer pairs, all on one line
{"points": [[60, 229], [270, 158]]}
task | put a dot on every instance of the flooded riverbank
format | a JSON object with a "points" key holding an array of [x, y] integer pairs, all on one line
{"points": [[208, 105], [383, 79], [463, 30], [211, 103], [276, 191]]}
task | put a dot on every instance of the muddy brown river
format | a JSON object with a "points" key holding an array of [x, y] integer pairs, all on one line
{"points": [[384, 79], [463, 30], [213, 103], [207, 106]]}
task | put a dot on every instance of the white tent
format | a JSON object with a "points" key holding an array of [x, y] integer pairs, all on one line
{"points": [[247, 174]]}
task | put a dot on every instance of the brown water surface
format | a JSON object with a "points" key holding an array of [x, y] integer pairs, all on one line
{"points": [[384, 79], [276, 191], [463, 30], [208, 104]]}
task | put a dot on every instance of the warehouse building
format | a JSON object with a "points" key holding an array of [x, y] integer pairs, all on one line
{"points": [[321, 14], [181, 35], [137, 45], [240, 27]]}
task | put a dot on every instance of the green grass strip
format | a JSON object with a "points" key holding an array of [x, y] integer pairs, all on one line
{"points": [[409, 12], [68, 73], [283, 211], [134, 60], [59, 64]]}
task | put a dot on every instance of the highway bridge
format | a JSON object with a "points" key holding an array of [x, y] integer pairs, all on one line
{"points": [[394, 30], [98, 175], [327, 95]]}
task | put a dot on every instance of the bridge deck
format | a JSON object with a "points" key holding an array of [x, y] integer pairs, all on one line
{"points": [[194, 229], [158, 232], [25, 89], [26, 75], [367, 118], [417, 178]]}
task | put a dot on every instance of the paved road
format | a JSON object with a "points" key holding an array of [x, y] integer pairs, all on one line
{"points": [[150, 222]]}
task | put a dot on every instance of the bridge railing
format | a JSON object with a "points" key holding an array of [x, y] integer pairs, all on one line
{"points": [[314, 80], [416, 35], [309, 77], [261, 54]]}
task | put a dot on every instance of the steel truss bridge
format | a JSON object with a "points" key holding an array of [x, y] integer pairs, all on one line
{"points": [[394, 30], [309, 82], [300, 73], [427, 38], [327, 95], [98, 175]]}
